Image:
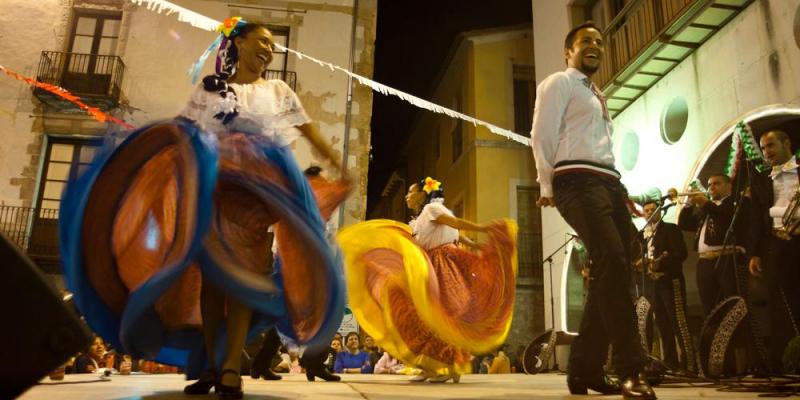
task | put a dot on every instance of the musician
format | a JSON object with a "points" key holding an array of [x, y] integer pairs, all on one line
{"points": [[779, 258], [664, 285], [710, 218]]}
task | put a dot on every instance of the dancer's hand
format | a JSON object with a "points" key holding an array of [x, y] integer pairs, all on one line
{"points": [[545, 202], [755, 267]]}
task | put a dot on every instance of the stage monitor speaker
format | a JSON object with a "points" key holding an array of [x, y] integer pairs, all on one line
{"points": [[39, 331]]}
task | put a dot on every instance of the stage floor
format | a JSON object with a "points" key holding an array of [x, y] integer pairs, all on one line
{"points": [[394, 387]]}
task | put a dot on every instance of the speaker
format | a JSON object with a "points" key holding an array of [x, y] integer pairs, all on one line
{"points": [[39, 331]]}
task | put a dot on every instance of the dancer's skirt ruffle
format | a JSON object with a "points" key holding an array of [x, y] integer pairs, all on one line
{"points": [[430, 309], [170, 207]]}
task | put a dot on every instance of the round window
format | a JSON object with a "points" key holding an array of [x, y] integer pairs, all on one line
{"points": [[630, 150], [674, 119]]}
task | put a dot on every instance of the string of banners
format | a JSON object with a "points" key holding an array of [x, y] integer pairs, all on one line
{"points": [[202, 22]]}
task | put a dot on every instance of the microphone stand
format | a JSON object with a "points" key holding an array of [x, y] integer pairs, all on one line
{"points": [[549, 261]]}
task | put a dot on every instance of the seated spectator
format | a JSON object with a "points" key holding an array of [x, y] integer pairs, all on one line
{"points": [[387, 365], [353, 360], [336, 347], [374, 351], [92, 359], [500, 362], [289, 361]]}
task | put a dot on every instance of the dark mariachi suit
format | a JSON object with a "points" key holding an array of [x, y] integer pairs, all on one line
{"points": [[780, 260], [716, 279], [667, 293]]}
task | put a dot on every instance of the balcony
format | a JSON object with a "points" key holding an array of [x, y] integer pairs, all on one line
{"points": [[287, 76], [35, 232], [648, 38], [96, 79]]}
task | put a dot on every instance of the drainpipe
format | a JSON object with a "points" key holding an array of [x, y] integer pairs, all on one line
{"points": [[349, 108]]}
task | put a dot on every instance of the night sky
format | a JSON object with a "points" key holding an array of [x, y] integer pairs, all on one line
{"points": [[412, 41]]}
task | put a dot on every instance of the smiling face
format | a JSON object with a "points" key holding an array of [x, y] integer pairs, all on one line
{"points": [[415, 197], [353, 343], [369, 342], [586, 51], [255, 49], [98, 349]]}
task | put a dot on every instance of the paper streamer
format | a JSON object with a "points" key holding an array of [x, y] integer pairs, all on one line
{"points": [[66, 95], [200, 21]]}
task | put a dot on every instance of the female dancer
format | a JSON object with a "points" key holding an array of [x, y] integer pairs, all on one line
{"points": [[166, 232], [423, 298]]}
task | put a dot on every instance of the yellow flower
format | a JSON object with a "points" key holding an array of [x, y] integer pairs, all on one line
{"points": [[431, 185]]}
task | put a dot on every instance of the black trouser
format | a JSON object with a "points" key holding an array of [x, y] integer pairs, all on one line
{"points": [[594, 207], [670, 293], [783, 269], [717, 281]]}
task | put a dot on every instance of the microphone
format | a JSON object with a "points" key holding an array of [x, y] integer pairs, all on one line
{"points": [[665, 207]]}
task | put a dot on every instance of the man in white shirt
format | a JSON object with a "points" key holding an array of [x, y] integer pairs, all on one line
{"points": [[571, 140], [771, 193]]}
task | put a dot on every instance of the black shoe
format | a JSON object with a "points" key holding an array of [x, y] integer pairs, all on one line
{"points": [[208, 379], [599, 383], [226, 392], [636, 387], [266, 373], [323, 374]]}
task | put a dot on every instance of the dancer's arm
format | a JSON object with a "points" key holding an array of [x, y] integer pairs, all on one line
{"points": [[552, 97], [321, 145], [460, 224]]}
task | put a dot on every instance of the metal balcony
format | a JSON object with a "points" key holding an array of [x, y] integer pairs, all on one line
{"points": [[648, 38], [35, 232], [96, 79]]}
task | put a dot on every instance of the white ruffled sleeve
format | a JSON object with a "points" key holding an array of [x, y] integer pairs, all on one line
{"points": [[202, 107], [435, 209], [289, 110]]}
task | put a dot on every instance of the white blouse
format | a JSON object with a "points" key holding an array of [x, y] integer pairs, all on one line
{"points": [[269, 107], [429, 234]]}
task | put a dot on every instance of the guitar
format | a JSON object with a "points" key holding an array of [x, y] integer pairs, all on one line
{"points": [[651, 266]]}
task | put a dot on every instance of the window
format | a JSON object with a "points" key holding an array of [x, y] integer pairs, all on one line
{"points": [[524, 98], [90, 63], [95, 33], [280, 35], [529, 219], [65, 159], [457, 135]]}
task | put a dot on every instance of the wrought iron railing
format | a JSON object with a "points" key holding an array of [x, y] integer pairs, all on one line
{"points": [[636, 26], [85, 75], [287, 76], [33, 230]]}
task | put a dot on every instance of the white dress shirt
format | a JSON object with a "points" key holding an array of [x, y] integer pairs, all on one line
{"points": [[784, 185], [568, 125]]}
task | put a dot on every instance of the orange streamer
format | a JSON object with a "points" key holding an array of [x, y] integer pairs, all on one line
{"points": [[66, 95]]}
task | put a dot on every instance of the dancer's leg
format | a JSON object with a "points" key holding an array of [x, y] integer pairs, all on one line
{"points": [[238, 322]]}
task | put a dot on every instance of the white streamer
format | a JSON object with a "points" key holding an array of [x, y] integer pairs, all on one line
{"points": [[203, 22]]}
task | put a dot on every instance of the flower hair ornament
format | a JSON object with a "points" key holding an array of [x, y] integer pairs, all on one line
{"points": [[431, 185], [229, 27]]}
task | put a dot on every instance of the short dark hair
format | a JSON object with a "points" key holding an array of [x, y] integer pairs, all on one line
{"points": [[574, 31], [656, 202], [725, 178], [782, 136]]}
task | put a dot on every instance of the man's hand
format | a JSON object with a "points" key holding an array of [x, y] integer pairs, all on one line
{"points": [[545, 202], [755, 267], [699, 200]]}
